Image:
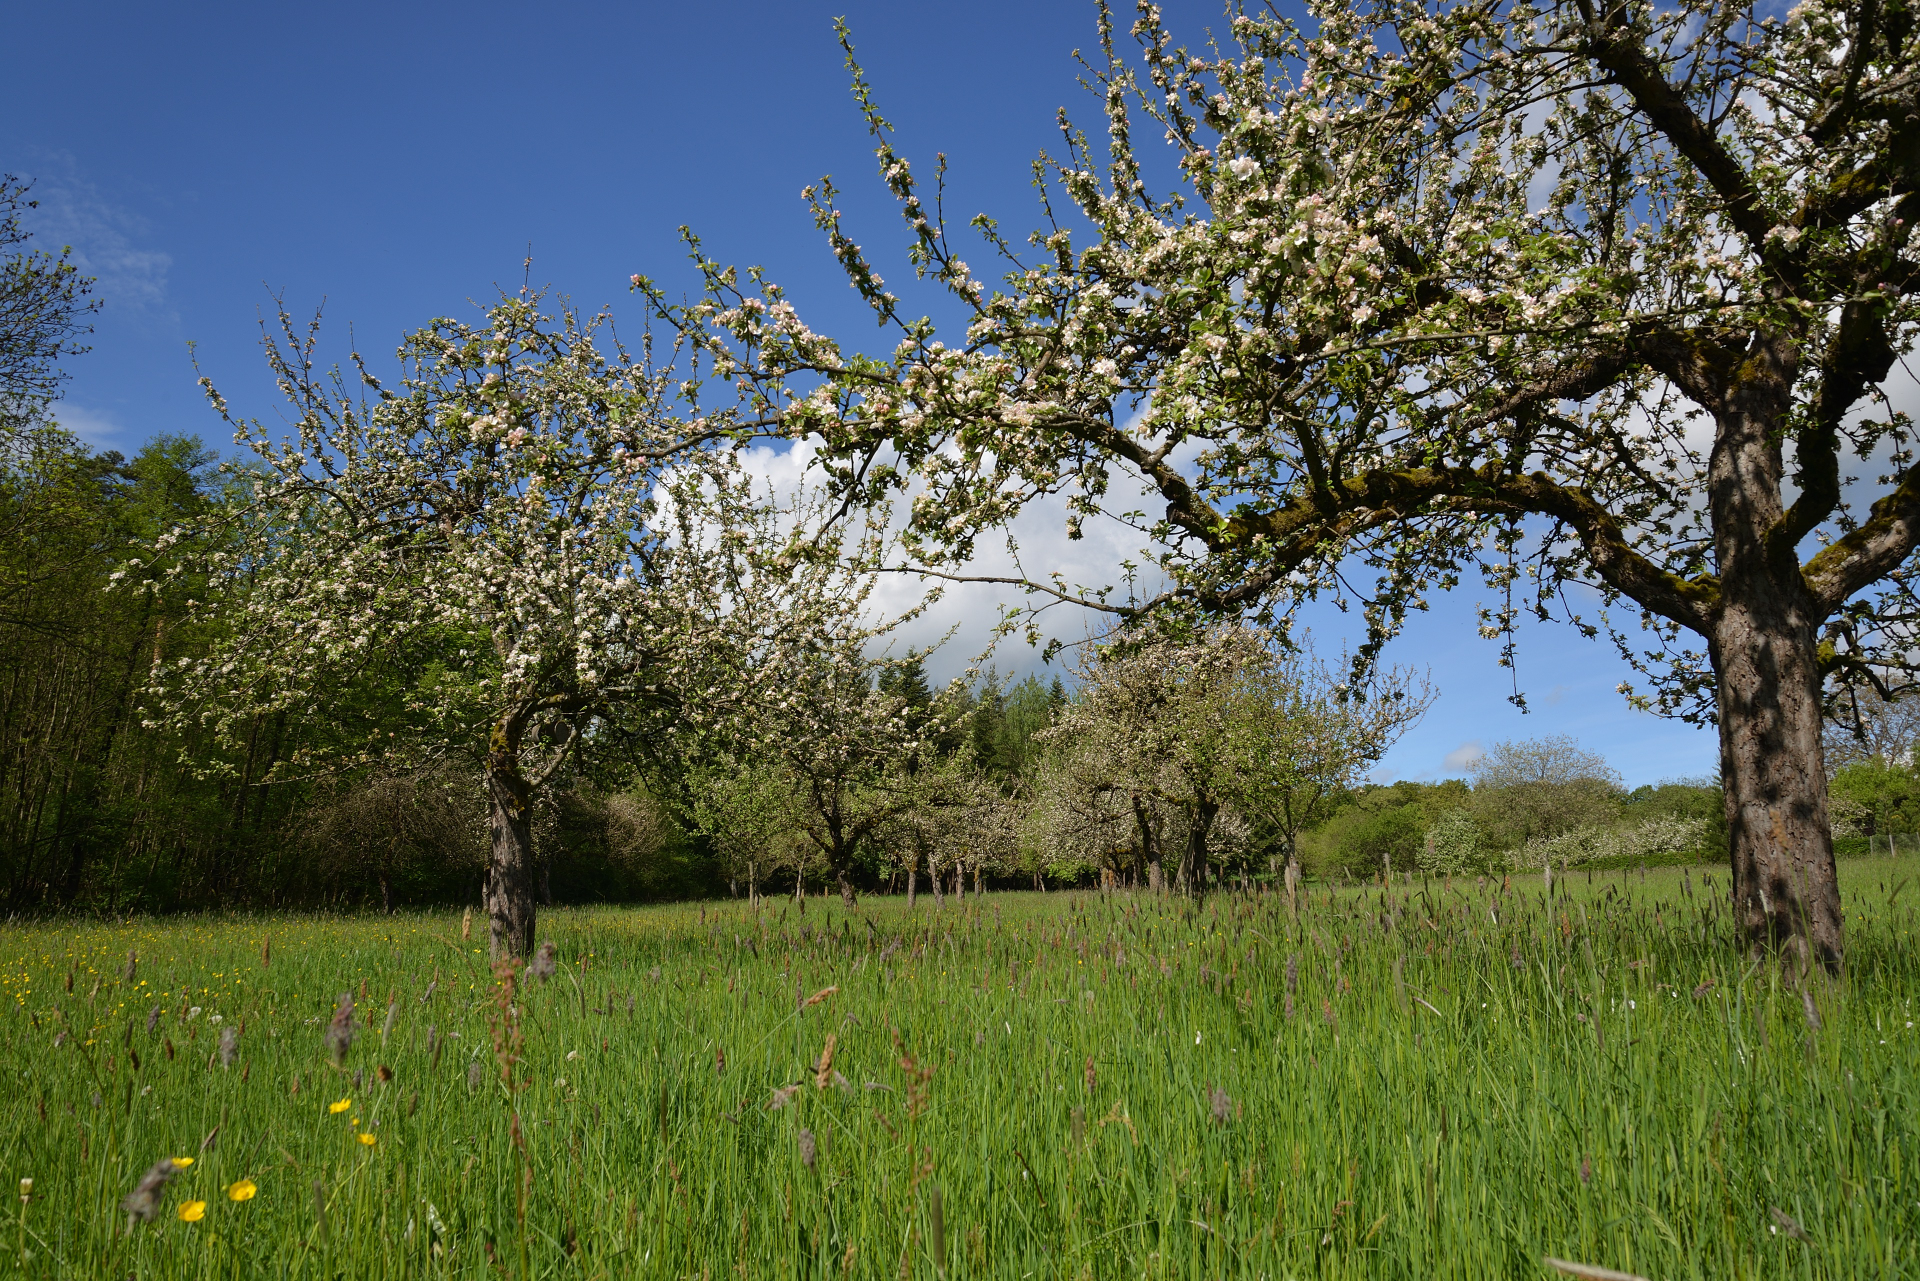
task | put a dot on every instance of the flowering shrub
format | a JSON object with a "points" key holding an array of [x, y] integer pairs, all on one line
{"points": [[1453, 846], [1655, 838]]}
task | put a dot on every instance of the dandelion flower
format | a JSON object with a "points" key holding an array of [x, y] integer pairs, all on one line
{"points": [[242, 1191], [181, 1162], [366, 1138], [338, 1106], [192, 1211]]}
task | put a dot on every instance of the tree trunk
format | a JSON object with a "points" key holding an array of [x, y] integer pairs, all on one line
{"points": [[1767, 674], [913, 877], [510, 897], [1197, 831], [1149, 848], [1786, 892]]}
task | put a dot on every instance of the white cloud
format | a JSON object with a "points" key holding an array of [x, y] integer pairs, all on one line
{"points": [[103, 236], [966, 613], [98, 430], [1463, 757]]}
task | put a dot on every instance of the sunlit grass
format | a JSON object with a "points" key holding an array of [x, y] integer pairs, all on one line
{"points": [[1468, 1081]]}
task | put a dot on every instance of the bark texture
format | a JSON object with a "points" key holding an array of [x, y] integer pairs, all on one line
{"points": [[1767, 687], [510, 880]]}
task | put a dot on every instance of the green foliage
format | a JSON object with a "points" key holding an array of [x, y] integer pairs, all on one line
{"points": [[43, 308], [1539, 788], [1003, 721], [1381, 826], [1886, 795], [1702, 800], [1449, 1088], [1454, 845]]}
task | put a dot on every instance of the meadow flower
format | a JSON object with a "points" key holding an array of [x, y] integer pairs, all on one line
{"points": [[181, 1162], [368, 1139], [192, 1211], [242, 1190], [338, 1106]]}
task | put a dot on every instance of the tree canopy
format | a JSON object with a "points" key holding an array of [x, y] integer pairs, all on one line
{"points": [[44, 303], [1557, 293]]}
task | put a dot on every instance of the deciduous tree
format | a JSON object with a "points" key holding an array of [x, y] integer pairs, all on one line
{"points": [[1564, 293], [523, 539]]}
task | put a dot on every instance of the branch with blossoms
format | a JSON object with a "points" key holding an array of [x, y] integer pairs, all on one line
{"points": [[1440, 288]]}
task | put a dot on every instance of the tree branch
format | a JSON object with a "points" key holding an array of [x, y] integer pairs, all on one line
{"points": [[1886, 538], [1619, 51]]}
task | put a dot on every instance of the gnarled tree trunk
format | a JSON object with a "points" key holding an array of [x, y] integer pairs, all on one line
{"points": [[510, 888], [1763, 645], [1785, 890]]}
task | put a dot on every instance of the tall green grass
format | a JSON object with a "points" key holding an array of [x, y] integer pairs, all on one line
{"points": [[1461, 1081]]}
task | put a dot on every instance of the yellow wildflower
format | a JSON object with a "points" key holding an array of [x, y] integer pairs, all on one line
{"points": [[192, 1211], [182, 1162], [241, 1191], [367, 1139], [339, 1105]]}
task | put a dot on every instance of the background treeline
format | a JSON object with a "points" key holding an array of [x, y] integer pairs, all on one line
{"points": [[103, 809]]}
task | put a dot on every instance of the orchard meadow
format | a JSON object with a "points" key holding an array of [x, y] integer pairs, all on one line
{"points": [[1427, 1079]]}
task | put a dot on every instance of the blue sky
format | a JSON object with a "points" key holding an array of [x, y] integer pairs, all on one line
{"points": [[396, 162]]}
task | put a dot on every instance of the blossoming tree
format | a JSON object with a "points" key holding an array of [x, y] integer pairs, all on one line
{"points": [[1560, 292], [523, 541], [1172, 734]]}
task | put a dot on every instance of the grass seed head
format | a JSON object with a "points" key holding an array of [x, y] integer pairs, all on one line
{"points": [[823, 1070], [1786, 1223], [340, 1030], [807, 1150], [543, 965], [229, 1045], [143, 1203]]}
